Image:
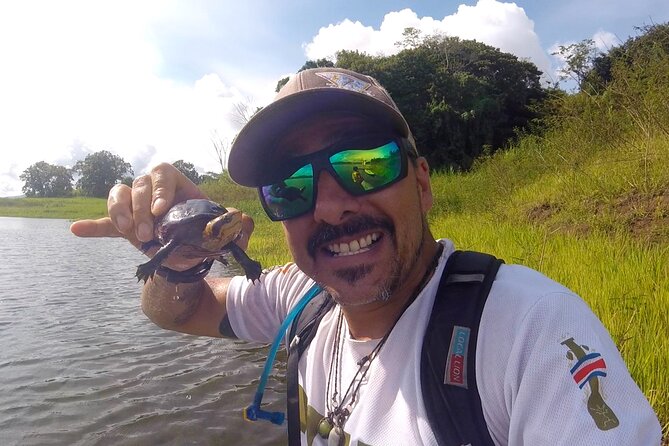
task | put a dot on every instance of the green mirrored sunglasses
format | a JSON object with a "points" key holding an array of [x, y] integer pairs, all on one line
{"points": [[359, 169]]}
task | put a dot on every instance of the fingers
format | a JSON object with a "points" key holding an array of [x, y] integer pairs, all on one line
{"points": [[244, 236], [102, 227], [248, 225], [141, 199], [132, 211], [152, 195], [164, 184], [119, 208]]}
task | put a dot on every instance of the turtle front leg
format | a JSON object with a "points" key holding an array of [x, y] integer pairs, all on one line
{"points": [[147, 270], [252, 268]]}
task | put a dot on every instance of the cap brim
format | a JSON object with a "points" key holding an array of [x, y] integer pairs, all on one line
{"points": [[251, 155]]}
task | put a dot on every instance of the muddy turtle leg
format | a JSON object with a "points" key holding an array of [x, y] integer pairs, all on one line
{"points": [[146, 270], [251, 267]]}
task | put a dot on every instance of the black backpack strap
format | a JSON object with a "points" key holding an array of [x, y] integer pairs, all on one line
{"points": [[448, 362], [302, 332]]}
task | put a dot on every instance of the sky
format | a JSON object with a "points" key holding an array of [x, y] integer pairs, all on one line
{"points": [[160, 80]]}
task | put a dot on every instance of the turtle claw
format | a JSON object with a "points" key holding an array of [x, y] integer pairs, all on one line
{"points": [[253, 270], [145, 271]]}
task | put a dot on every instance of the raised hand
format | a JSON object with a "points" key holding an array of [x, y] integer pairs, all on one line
{"points": [[132, 210]]}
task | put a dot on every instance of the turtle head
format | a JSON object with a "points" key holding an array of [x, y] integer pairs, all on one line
{"points": [[222, 230]]}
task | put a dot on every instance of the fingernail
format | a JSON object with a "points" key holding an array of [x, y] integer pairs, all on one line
{"points": [[144, 232], [158, 203], [122, 223]]}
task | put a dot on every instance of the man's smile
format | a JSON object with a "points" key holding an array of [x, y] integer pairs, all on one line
{"points": [[355, 236], [354, 247]]}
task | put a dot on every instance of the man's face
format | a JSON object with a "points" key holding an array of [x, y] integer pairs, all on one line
{"points": [[362, 248]]}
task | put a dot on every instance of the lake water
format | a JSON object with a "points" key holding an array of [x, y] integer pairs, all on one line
{"points": [[81, 365]]}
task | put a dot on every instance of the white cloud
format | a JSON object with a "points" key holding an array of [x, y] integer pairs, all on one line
{"points": [[605, 40], [80, 77], [501, 25]]}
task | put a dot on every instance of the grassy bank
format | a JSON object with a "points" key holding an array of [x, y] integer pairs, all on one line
{"points": [[67, 208]]}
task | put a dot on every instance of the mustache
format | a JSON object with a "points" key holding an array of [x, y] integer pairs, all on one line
{"points": [[326, 233]]}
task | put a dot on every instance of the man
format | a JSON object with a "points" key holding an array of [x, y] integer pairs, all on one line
{"points": [[374, 253]]}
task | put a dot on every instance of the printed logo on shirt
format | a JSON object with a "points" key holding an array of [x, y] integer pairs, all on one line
{"points": [[456, 364], [588, 369]]}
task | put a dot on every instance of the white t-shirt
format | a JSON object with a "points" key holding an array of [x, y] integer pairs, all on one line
{"points": [[534, 388]]}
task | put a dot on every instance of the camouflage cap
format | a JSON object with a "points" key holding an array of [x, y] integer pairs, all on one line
{"points": [[308, 93]]}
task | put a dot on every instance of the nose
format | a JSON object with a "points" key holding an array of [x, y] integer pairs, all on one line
{"points": [[333, 203]]}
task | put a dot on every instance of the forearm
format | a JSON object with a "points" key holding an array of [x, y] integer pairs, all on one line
{"points": [[170, 305]]}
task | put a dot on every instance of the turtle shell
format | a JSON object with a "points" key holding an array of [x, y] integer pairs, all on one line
{"points": [[198, 228], [186, 222]]}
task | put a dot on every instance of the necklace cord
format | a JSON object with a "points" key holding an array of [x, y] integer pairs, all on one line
{"points": [[338, 415]]}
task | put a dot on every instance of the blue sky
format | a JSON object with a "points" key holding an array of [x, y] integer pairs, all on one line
{"points": [[156, 80]]}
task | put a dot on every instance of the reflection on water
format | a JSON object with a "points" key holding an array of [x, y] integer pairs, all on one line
{"points": [[80, 364]]}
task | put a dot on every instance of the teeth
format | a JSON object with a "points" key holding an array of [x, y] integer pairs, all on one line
{"points": [[355, 246]]}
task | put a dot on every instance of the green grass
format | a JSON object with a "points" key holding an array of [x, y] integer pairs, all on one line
{"points": [[66, 208], [624, 281]]}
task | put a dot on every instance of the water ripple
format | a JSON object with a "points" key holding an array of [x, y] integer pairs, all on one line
{"points": [[81, 365]]}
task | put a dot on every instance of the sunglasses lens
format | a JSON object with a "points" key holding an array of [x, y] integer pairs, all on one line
{"points": [[366, 170], [359, 171], [290, 197]]}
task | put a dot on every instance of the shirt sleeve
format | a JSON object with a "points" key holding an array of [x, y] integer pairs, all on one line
{"points": [[257, 309], [560, 379]]}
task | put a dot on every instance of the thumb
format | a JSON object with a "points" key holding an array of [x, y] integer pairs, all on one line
{"points": [[245, 235]]}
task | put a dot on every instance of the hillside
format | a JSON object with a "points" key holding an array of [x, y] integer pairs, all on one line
{"points": [[586, 201]]}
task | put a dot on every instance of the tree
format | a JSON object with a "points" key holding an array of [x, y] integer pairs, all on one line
{"points": [[279, 85], [243, 111], [307, 65], [461, 98], [316, 64], [221, 147], [46, 180], [579, 58], [210, 177], [411, 38], [188, 169], [99, 172], [650, 45]]}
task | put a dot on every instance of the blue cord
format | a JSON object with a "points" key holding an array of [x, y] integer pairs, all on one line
{"points": [[254, 412]]}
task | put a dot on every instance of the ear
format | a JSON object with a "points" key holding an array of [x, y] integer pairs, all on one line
{"points": [[422, 170]]}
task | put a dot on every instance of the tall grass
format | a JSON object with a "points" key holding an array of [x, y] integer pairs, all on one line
{"points": [[586, 203], [625, 282]]}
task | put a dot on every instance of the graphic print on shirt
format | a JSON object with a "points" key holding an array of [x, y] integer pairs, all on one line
{"points": [[587, 369]]}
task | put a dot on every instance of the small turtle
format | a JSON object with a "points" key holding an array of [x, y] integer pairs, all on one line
{"points": [[199, 229]]}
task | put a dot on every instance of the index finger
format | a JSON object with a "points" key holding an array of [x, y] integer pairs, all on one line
{"points": [[101, 227]]}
